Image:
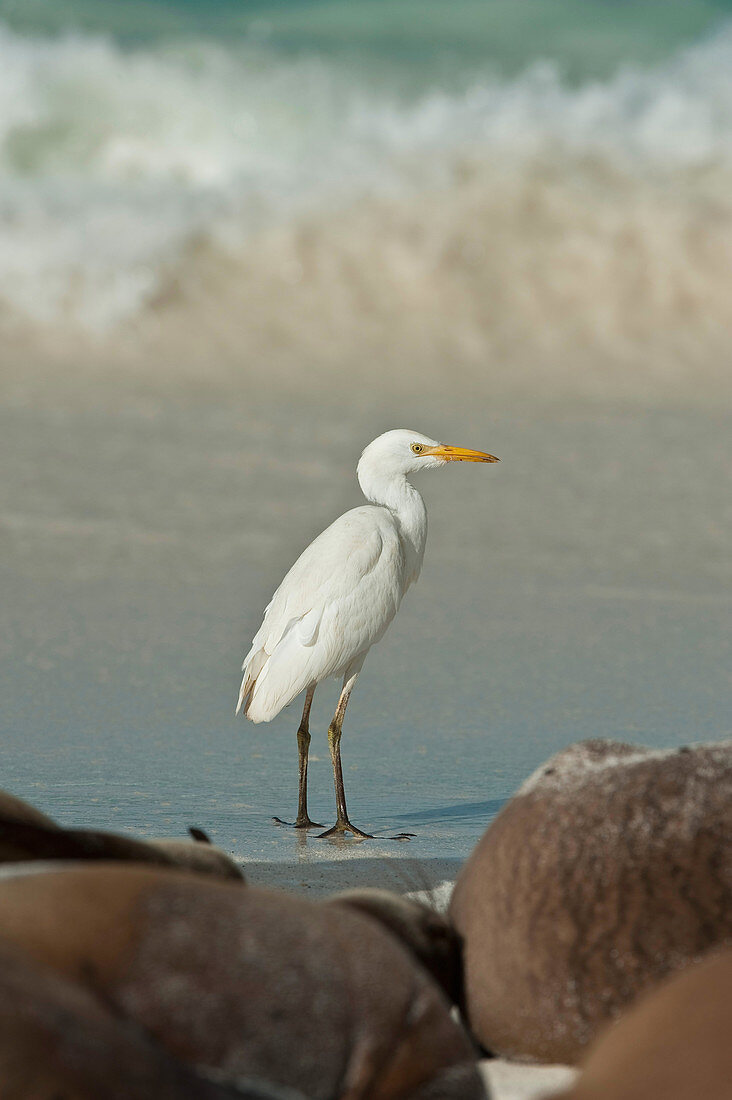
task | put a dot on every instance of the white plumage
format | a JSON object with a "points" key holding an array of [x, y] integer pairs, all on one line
{"points": [[341, 594], [335, 602]]}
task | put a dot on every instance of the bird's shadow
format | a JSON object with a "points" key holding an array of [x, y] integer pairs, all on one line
{"points": [[481, 812], [459, 811]]}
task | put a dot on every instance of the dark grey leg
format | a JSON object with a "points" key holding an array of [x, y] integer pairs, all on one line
{"points": [[303, 745], [342, 825]]}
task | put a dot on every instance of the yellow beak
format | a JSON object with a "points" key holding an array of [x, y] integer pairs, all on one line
{"points": [[460, 454]]}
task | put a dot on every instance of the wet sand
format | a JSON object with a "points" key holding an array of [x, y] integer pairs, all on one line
{"points": [[580, 588], [319, 878]]}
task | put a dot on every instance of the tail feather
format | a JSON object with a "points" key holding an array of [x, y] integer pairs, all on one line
{"points": [[244, 692], [251, 669]]}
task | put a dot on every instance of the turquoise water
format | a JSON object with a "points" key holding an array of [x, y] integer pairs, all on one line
{"points": [[587, 37]]}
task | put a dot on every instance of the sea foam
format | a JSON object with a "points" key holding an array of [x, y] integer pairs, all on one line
{"points": [[285, 199]]}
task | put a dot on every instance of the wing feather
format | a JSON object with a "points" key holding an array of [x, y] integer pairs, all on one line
{"points": [[333, 604]]}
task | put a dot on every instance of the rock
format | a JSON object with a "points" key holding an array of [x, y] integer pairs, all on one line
{"points": [[674, 1044], [15, 809], [609, 870], [26, 835], [58, 1040], [200, 856], [425, 933], [246, 982]]}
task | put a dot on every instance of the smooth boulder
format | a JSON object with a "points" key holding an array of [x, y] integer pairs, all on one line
{"points": [[250, 983], [675, 1044], [26, 835], [609, 870], [426, 934], [13, 808], [57, 1040]]}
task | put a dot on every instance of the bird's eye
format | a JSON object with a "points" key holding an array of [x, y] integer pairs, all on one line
{"points": [[417, 448]]}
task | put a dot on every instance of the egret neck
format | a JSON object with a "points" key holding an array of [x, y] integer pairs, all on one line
{"points": [[392, 490]]}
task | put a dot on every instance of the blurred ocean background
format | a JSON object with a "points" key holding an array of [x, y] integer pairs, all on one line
{"points": [[239, 239]]}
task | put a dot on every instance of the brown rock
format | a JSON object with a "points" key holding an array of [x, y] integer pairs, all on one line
{"points": [[57, 1040], [427, 934], [674, 1044], [27, 835], [246, 982], [609, 870], [15, 809]]}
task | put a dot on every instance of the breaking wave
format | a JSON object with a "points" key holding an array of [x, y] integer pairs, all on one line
{"points": [[201, 192]]}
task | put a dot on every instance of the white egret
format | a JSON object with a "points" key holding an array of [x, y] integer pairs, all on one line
{"points": [[340, 596]]}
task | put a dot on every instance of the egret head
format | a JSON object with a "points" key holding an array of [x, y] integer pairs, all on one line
{"points": [[403, 451]]}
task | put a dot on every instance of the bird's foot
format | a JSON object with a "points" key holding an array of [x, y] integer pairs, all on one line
{"points": [[306, 823], [299, 823], [342, 827]]}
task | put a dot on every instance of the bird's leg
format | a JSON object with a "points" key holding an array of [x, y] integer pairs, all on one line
{"points": [[342, 825], [302, 820]]}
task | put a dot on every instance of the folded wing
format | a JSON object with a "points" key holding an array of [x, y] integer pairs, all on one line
{"points": [[334, 603]]}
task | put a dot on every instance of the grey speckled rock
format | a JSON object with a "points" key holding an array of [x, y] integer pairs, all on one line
{"points": [[610, 869]]}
